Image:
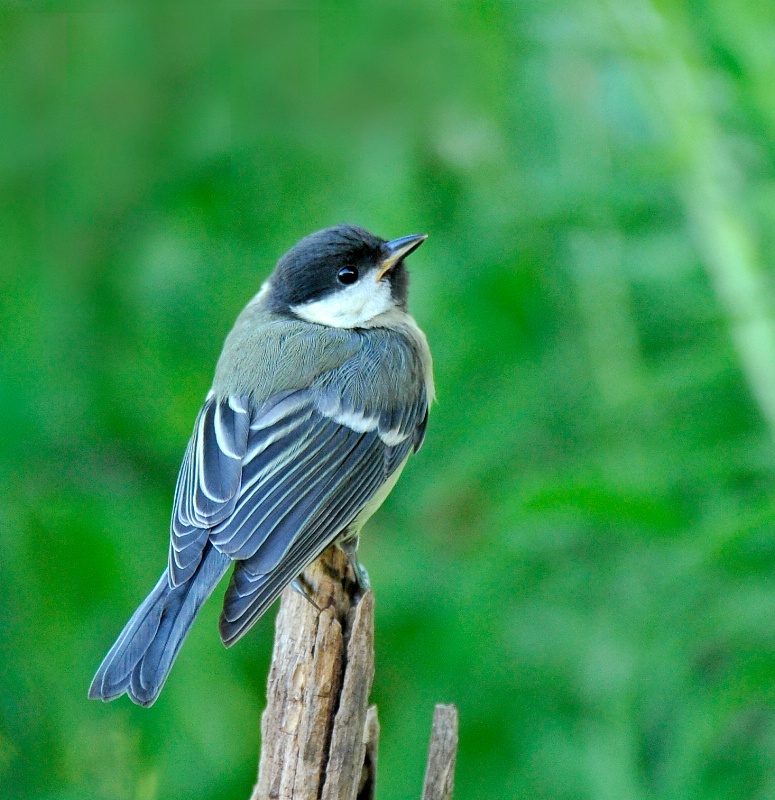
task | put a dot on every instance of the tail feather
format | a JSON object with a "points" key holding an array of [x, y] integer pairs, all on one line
{"points": [[143, 655]]}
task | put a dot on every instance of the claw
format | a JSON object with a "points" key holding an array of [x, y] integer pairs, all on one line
{"points": [[298, 584]]}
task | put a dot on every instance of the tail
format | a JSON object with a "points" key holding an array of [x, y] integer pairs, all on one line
{"points": [[143, 655]]}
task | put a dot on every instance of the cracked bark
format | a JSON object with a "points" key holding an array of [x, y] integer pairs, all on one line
{"points": [[319, 736]]}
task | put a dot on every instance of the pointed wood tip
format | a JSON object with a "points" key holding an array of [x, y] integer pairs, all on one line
{"points": [[442, 754]]}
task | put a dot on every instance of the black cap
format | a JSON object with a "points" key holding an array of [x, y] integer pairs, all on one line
{"points": [[326, 261]]}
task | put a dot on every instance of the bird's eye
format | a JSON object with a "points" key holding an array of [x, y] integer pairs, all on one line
{"points": [[347, 275]]}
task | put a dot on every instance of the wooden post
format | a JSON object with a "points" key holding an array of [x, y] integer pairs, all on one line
{"points": [[442, 753], [319, 738]]}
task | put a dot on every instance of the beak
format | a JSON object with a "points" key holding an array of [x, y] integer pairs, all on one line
{"points": [[398, 249]]}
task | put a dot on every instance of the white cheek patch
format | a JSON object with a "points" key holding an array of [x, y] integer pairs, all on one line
{"points": [[351, 306]]}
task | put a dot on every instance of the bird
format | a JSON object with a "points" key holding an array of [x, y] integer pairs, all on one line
{"points": [[320, 395]]}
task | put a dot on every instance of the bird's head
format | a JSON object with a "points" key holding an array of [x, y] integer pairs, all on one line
{"points": [[342, 277]]}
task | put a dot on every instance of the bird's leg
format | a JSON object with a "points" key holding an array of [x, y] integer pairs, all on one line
{"points": [[349, 547], [300, 585]]}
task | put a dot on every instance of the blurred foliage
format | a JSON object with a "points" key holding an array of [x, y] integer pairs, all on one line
{"points": [[582, 555]]}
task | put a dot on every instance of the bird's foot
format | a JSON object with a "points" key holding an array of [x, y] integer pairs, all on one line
{"points": [[350, 548], [300, 585]]}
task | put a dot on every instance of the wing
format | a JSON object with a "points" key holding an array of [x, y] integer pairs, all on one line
{"points": [[209, 480], [309, 470], [272, 483], [251, 592]]}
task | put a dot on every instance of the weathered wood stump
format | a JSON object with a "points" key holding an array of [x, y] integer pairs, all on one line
{"points": [[319, 737]]}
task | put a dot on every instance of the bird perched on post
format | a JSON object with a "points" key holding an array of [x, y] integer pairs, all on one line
{"points": [[320, 395]]}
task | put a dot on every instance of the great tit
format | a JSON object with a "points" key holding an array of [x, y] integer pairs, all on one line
{"points": [[320, 395]]}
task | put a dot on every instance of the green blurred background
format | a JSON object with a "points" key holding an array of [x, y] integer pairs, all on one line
{"points": [[581, 557]]}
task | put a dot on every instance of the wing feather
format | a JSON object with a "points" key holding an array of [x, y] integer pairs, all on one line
{"points": [[347, 474], [209, 480], [271, 483], [242, 534], [285, 498], [251, 593], [255, 584]]}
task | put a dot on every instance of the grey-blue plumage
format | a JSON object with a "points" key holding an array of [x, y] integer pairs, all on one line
{"points": [[142, 656], [306, 428]]}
